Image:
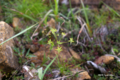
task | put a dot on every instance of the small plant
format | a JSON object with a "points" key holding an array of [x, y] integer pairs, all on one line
{"points": [[45, 59], [86, 56], [100, 20], [58, 42], [21, 54], [18, 77]]}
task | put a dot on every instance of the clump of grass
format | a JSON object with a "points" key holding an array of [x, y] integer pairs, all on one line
{"points": [[87, 21], [34, 8], [100, 20]]}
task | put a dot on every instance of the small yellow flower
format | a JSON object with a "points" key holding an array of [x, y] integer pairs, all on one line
{"points": [[58, 42], [43, 31], [59, 49], [63, 34], [50, 42], [53, 30], [71, 40], [57, 34]]}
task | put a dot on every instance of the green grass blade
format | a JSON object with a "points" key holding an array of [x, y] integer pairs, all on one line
{"points": [[48, 67], [112, 10], [86, 17], [56, 9], [19, 33], [29, 17], [85, 12], [40, 73]]}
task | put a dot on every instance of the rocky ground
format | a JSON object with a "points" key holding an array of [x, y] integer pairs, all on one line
{"points": [[75, 43]]}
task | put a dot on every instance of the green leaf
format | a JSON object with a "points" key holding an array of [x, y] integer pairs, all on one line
{"points": [[59, 49], [115, 50], [28, 52], [71, 40], [86, 17], [41, 77], [31, 55], [16, 49], [59, 42], [40, 73]]}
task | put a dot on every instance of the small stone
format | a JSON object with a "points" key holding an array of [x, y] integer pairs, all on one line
{"points": [[104, 59], [17, 23], [74, 54], [82, 75], [30, 73], [51, 23]]}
